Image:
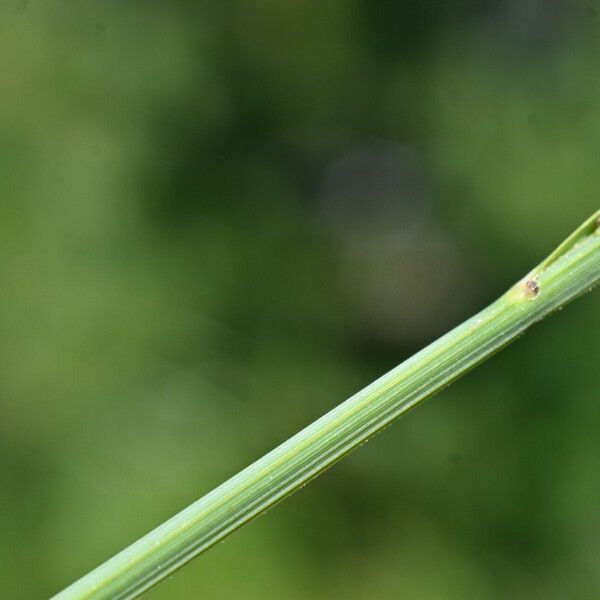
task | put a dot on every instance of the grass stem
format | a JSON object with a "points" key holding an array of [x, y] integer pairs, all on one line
{"points": [[572, 269]]}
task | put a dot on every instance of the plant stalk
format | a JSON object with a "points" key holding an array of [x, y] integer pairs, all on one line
{"points": [[572, 269]]}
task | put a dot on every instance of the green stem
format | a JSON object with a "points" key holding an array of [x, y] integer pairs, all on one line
{"points": [[572, 269]]}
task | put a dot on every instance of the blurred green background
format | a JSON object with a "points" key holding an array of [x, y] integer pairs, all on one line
{"points": [[219, 219]]}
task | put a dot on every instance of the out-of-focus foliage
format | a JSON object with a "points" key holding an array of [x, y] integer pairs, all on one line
{"points": [[219, 219]]}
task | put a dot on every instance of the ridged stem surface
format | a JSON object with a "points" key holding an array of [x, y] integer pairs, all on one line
{"points": [[572, 269]]}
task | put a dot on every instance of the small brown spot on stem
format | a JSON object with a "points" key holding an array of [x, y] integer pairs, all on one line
{"points": [[532, 287]]}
